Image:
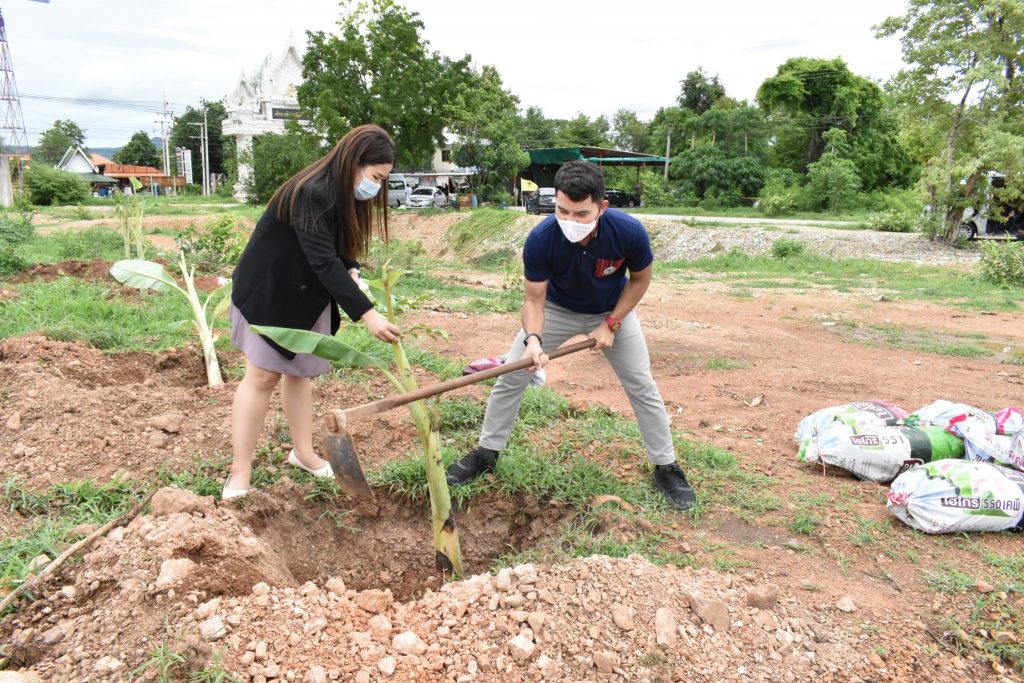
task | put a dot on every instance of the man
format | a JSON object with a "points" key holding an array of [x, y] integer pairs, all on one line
{"points": [[575, 264]]}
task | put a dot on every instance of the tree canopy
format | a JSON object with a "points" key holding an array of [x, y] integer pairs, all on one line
{"points": [[698, 92], [485, 126], [139, 152], [961, 99], [186, 133], [378, 69], [56, 139]]}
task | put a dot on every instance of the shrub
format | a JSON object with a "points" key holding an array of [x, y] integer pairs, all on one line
{"points": [[15, 229], [893, 220], [779, 193], [48, 185], [1003, 264], [218, 243], [787, 248], [10, 262]]}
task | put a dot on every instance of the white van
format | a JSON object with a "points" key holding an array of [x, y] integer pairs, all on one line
{"points": [[396, 190], [984, 221]]}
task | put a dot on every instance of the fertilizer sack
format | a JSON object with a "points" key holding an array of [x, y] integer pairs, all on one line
{"points": [[880, 453], [941, 413], [862, 412], [1009, 421], [983, 444], [951, 496]]}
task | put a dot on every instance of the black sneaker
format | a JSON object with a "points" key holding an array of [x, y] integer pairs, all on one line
{"points": [[479, 461], [671, 481]]}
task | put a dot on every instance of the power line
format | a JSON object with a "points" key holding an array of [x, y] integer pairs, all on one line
{"points": [[146, 106]]}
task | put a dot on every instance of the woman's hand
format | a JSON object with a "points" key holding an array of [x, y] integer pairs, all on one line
{"points": [[380, 327]]}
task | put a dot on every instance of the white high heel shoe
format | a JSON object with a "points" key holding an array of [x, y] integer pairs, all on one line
{"points": [[324, 471], [229, 493]]}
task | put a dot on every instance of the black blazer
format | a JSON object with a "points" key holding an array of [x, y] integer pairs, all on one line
{"points": [[289, 273]]}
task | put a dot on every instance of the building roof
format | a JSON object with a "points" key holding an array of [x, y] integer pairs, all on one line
{"points": [[113, 170], [96, 178], [99, 159], [601, 156], [66, 161]]}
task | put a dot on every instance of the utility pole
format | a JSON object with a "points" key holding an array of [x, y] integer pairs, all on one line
{"points": [[668, 147], [206, 153], [202, 153], [163, 143]]}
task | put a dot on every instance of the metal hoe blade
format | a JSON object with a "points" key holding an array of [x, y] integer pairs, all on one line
{"points": [[341, 453]]}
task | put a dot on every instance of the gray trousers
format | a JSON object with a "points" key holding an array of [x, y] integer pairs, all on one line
{"points": [[628, 357]]}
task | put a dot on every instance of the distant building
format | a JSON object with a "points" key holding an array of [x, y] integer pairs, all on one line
{"points": [[75, 160], [99, 170], [263, 104]]}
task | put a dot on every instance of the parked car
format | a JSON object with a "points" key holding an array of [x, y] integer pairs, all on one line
{"points": [[542, 201], [396, 190], [992, 219], [424, 197], [620, 198]]}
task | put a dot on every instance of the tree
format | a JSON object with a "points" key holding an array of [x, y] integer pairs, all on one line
{"points": [[833, 178], [533, 131], [276, 158], [54, 141], [186, 133], [379, 70], [630, 133], [698, 92], [961, 97], [485, 125], [139, 152], [809, 96], [582, 131]]}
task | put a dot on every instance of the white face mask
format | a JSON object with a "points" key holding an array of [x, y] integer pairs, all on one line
{"points": [[575, 232], [366, 189]]}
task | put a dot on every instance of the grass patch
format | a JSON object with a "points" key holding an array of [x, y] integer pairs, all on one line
{"points": [[477, 226], [68, 309], [947, 579], [715, 363], [456, 296], [923, 341], [997, 624], [905, 280], [92, 243], [749, 212], [53, 513]]}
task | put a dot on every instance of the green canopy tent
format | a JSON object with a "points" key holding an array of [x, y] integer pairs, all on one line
{"points": [[545, 162]]}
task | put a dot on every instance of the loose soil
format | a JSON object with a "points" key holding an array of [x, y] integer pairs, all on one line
{"points": [[287, 592]]}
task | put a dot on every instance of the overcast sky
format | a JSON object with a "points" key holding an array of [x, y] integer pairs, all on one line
{"points": [[565, 56]]}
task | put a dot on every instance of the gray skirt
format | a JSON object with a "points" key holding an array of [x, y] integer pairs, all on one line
{"points": [[263, 355]]}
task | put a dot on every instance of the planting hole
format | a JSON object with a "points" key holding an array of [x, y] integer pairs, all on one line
{"points": [[388, 543]]}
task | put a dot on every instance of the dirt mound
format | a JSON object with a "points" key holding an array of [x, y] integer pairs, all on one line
{"points": [[96, 269], [201, 576], [71, 410]]}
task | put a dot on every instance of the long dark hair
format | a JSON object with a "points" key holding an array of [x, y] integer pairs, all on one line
{"points": [[329, 179]]}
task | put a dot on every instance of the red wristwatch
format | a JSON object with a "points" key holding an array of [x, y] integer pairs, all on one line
{"points": [[613, 324]]}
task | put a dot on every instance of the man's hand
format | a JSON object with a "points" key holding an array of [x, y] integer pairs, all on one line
{"points": [[380, 327], [534, 351], [604, 336]]}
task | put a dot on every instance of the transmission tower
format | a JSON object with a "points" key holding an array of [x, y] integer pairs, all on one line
{"points": [[13, 136]]}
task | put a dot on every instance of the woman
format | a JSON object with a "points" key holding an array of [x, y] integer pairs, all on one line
{"points": [[299, 266]]}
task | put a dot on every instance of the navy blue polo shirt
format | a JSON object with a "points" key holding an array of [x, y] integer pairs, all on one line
{"points": [[587, 279]]}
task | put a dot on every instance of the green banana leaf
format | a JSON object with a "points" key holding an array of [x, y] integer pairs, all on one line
{"points": [[322, 345], [142, 275]]}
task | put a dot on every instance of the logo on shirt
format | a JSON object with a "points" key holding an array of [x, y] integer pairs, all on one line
{"points": [[606, 267]]}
